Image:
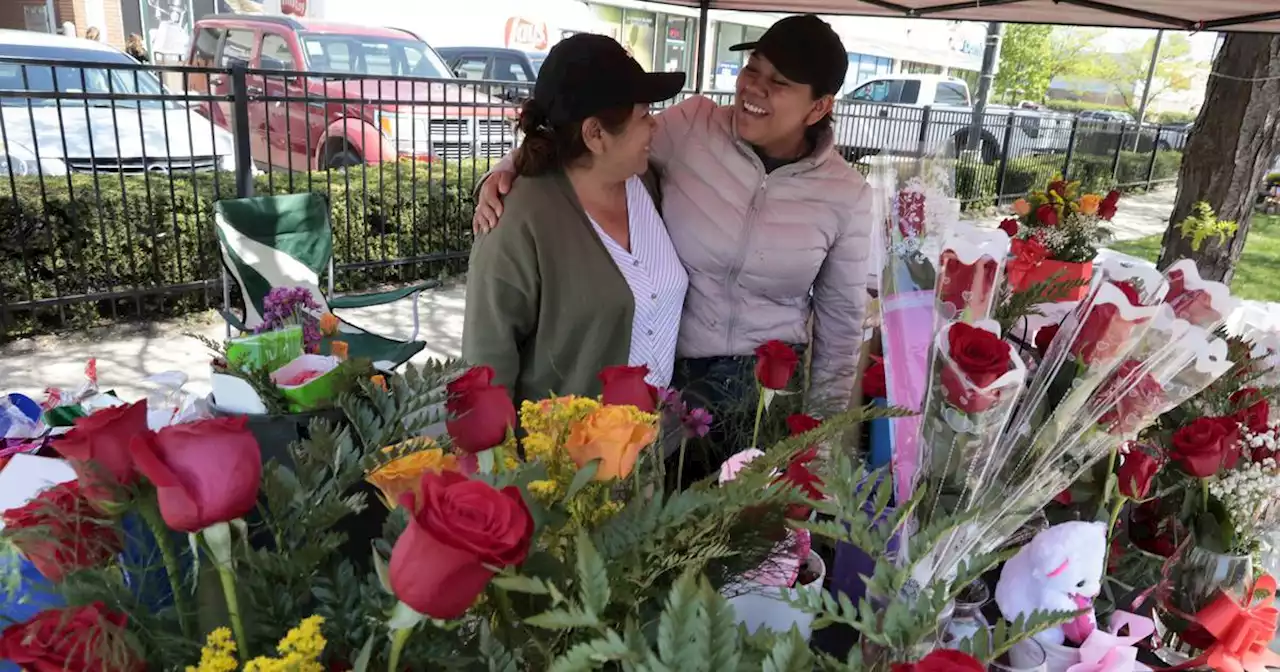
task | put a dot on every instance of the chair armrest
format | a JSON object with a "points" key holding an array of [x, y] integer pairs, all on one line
{"points": [[379, 298], [233, 320]]}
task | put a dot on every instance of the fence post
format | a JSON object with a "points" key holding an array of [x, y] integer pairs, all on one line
{"points": [[240, 127], [1071, 147], [922, 139], [1155, 149], [1115, 160], [1004, 158]]}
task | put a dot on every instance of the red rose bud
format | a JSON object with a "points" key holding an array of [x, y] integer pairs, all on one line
{"points": [[1130, 292], [1103, 335], [799, 423], [874, 385], [1009, 226], [964, 286], [64, 532], [1044, 338], [80, 639], [798, 475], [1134, 408], [1137, 473], [98, 449], [461, 528], [775, 363], [480, 413], [1107, 209], [1047, 214], [1204, 446], [205, 472], [978, 357], [625, 386], [942, 660], [1064, 498], [1254, 409]]}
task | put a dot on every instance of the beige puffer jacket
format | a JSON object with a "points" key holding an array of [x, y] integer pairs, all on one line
{"points": [[755, 244]]}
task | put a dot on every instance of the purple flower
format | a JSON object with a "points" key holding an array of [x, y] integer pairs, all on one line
{"points": [[291, 306], [697, 422]]}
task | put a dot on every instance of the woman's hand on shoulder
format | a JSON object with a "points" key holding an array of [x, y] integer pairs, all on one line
{"points": [[489, 204]]}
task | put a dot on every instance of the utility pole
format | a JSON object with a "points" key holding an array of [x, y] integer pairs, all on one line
{"points": [[990, 64]]}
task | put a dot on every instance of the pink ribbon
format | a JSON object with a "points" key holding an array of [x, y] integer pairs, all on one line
{"points": [[1108, 651]]}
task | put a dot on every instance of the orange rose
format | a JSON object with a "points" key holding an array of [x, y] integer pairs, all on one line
{"points": [[1089, 204], [328, 324], [613, 434], [379, 381], [404, 474], [339, 349], [1022, 207]]}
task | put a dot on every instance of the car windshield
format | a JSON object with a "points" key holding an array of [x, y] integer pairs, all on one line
{"points": [[370, 55], [536, 61], [18, 76]]}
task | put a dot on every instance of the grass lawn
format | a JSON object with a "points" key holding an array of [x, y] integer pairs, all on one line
{"points": [[1258, 275]]}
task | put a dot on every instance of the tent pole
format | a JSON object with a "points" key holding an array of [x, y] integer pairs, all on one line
{"points": [[990, 59], [704, 8], [1146, 89]]}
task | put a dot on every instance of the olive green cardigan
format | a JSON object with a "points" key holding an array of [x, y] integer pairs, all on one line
{"points": [[546, 306]]}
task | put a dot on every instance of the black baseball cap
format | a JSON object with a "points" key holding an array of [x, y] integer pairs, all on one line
{"points": [[586, 74], [806, 50]]}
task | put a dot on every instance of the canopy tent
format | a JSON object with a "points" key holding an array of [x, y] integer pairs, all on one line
{"points": [[1192, 15]]}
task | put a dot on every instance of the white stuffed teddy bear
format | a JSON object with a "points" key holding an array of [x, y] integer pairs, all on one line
{"points": [[1059, 570]]}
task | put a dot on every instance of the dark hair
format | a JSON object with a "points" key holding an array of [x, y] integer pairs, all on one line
{"points": [[546, 147]]}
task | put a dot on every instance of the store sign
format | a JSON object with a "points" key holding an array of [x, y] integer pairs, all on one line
{"points": [[293, 7], [522, 33]]}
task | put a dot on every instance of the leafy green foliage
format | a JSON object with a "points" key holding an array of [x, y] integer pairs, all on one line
{"points": [[1203, 224], [1015, 306]]}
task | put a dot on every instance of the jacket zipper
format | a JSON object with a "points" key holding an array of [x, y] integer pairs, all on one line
{"points": [[735, 271]]}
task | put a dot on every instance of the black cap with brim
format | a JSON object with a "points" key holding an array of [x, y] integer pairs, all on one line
{"points": [[587, 74], [806, 50]]}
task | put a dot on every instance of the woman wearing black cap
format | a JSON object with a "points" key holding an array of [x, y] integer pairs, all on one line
{"points": [[772, 225], [581, 274]]}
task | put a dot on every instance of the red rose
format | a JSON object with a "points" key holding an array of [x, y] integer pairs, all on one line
{"points": [[1064, 498], [1009, 226], [98, 449], [775, 362], [1107, 209], [1194, 305], [979, 357], [205, 472], [798, 475], [1135, 407], [1204, 446], [1136, 473], [480, 413], [1044, 338], [65, 533], [1130, 292], [910, 213], [874, 385], [1047, 214], [456, 534], [942, 660], [799, 423], [1255, 410], [964, 286], [83, 639], [1104, 334], [625, 386]]}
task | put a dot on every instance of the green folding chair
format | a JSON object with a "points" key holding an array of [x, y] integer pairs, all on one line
{"points": [[287, 241]]}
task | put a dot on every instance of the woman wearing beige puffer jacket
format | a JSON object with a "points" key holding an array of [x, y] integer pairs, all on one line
{"points": [[772, 225]]}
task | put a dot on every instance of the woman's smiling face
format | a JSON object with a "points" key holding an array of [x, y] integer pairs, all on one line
{"points": [[771, 110]]}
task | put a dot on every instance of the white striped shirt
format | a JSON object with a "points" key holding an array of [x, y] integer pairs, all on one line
{"points": [[658, 282]]}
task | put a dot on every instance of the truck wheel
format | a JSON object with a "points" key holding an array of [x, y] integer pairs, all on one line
{"points": [[342, 158]]}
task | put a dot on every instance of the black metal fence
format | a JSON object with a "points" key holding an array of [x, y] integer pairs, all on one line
{"points": [[109, 172]]}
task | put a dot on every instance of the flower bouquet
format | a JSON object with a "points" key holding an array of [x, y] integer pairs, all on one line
{"points": [[1057, 232]]}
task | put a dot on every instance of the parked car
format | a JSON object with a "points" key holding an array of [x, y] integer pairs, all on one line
{"points": [[1115, 116], [346, 94], [495, 64], [886, 115], [102, 134]]}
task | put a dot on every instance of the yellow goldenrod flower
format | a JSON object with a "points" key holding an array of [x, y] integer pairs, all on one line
{"points": [[300, 650], [328, 324], [218, 653], [404, 474], [546, 491]]}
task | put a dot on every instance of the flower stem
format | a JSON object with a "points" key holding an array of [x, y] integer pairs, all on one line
{"points": [[149, 508], [684, 443], [1110, 481], [1204, 493], [398, 639], [228, 579], [755, 433], [1115, 516]]}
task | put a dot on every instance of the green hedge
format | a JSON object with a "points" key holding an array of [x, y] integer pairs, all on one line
{"points": [[976, 184], [70, 237]]}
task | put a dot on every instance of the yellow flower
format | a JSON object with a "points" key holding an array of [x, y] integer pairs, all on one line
{"points": [[404, 474], [218, 654], [1022, 207], [539, 446], [328, 324], [1089, 204], [300, 650], [613, 434], [551, 416], [545, 490]]}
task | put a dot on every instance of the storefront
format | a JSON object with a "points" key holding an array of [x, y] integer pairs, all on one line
{"points": [[660, 38]]}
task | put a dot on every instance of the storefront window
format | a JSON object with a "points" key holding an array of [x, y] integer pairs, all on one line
{"points": [[863, 67], [638, 33], [728, 63], [677, 46]]}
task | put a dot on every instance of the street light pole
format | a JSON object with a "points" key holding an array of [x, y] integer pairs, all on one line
{"points": [[990, 63]]}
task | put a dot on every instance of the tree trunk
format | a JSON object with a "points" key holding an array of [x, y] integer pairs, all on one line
{"points": [[1234, 141]]}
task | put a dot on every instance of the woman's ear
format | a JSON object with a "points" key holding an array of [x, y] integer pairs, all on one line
{"points": [[593, 135]]}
